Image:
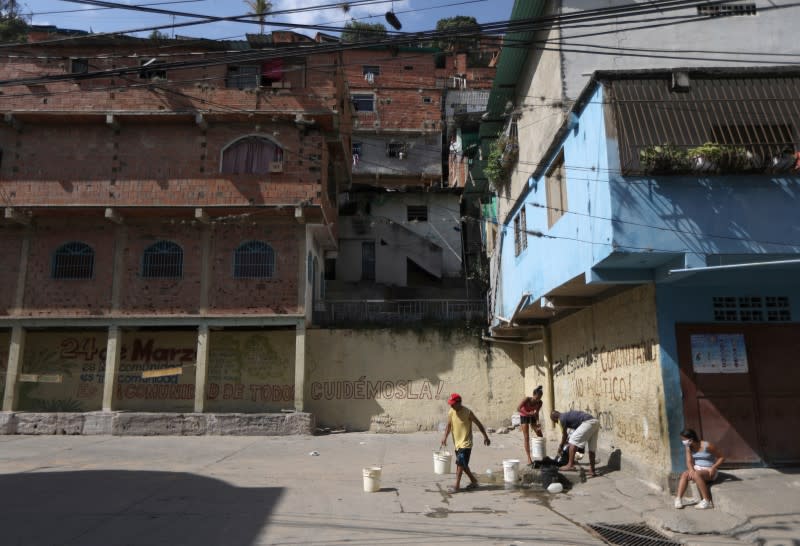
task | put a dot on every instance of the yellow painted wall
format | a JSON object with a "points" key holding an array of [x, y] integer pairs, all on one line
{"points": [[5, 343], [606, 362], [251, 371], [382, 380], [399, 380]]}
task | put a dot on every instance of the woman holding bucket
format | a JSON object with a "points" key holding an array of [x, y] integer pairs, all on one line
{"points": [[529, 418]]}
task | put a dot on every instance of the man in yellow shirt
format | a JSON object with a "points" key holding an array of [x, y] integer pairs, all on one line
{"points": [[459, 421]]}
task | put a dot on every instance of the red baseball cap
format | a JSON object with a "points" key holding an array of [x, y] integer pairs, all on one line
{"points": [[455, 397]]}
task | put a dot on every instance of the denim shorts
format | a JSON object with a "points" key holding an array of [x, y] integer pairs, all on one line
{"points": [[462, 457]]}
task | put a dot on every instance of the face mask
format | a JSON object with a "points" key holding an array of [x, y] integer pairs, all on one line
{"points": [[686, 442]]}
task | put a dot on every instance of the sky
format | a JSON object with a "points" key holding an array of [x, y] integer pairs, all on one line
{"points": [[415, 15]]}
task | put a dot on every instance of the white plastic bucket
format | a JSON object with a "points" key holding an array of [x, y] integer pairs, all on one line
{"points": [[510, 470], [441, 462], [537, 448], [372, 479]]}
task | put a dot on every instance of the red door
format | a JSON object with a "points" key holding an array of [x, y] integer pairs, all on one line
{"points": [[751, 416]]}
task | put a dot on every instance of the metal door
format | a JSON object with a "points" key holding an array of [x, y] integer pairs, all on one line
{"points": [[751, 416]]}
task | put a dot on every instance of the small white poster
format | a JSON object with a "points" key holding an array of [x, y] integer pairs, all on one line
{"points": [[719, 353]]}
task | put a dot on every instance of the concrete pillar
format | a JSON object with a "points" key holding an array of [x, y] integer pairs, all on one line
{"points": [[113, 350], [120, 242], [15, 354], [205, 268], [19, 295], [548, 370], [300, 366], [201, 372]]}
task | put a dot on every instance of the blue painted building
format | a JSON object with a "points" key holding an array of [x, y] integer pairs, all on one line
{"points": [[651, 261]]}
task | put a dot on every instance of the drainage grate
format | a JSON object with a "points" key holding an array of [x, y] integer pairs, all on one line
{"points": [[631, 534]]}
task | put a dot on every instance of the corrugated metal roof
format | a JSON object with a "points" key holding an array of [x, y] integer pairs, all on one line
{"points": [[465, 102]]}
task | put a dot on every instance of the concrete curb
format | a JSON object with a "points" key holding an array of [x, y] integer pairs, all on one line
{"points": [[158, 424]]}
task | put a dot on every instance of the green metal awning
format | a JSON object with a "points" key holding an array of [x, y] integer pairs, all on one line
{"points": [[512, 59]]}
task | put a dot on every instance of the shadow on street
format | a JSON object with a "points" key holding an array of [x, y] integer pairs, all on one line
{"points": [[108, 508]]}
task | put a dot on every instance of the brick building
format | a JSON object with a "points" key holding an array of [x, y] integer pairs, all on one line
{"points": [[401, 238], [154, 192]]}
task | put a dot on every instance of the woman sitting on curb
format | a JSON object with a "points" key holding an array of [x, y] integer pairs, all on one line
{"points": [[702, 462]]}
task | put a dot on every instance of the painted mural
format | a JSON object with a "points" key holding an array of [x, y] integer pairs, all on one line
{"points": [[251, 371], [65, 371]]}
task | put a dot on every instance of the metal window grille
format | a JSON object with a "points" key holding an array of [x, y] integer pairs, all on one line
{"points": [[417, 213], [371, 69], [254, 260], [720, 10], [751, 309], [396, 149], [79, 65], [523, 228], [363, 102], [163, 260], [517, 243], [73, 261], [243, 76]]}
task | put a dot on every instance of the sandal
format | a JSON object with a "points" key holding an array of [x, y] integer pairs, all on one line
{"points": [[452, 490], [471, 486]]}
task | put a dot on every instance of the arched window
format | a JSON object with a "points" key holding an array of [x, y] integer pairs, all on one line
{"points": [[162, 260], [252, 155], [73, 261], [254, 260]]}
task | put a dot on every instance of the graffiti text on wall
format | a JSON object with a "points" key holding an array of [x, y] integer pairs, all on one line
{"points": [[254, 393], [361, 389], [609, 359], [141, 351]]}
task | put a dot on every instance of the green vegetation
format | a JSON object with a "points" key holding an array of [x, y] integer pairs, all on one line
{"points": [[459, 43], [709, 157], [259, 8], [13, 26], [355, 31], [502, 155]]}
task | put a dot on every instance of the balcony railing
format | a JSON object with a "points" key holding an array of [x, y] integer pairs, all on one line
{"points": [[395, 312]]}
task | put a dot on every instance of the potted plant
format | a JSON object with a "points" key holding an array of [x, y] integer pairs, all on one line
{"points": [[503, 153], [713, 157], [663, 159]]}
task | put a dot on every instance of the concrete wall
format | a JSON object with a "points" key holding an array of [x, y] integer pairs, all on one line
{"points": [[539, 88], [386, 211], [606, 361], [707, 214], [719, 39], [399, 381], [383, 380], [576, 241]]}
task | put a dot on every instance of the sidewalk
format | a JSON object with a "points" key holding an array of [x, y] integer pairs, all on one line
{"points": [[752, 506]]}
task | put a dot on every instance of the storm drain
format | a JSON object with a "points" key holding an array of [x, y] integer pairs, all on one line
{"points": [[631, 534]]}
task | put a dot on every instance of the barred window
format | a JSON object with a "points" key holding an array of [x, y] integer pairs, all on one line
{"points": [[163, 260], [254, 260], [73, 261]]}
